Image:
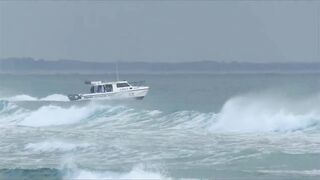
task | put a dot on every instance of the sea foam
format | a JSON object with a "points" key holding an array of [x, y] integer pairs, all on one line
{"points": [[21, 97], [25, 97], [55, 115], [137, 172], [55, 97], [243, 114], [257, 113], [55, 146]]}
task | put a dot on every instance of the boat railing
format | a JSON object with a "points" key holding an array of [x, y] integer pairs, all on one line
{"points": [[137, 83], [92, 82], [133, 83]]}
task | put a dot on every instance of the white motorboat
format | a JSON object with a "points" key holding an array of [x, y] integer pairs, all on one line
{"points": [[101, 90]]}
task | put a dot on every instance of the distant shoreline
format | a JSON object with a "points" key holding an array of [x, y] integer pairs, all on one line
{"points": [[32, 66]]}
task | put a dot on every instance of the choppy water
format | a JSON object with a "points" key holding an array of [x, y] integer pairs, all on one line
{"points": [[240, 126]]}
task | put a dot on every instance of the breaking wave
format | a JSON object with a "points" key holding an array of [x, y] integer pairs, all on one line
{"points": [[99, 114], [258, 113], [47, 115], [24, 97], [243, 114], [73, 172], [56, 115], [136, 173], [139, 171]]}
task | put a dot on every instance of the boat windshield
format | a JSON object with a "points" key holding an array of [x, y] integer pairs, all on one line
{"points": [[119, 85]]}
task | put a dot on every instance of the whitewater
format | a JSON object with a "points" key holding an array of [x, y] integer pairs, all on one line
{"points": [[220, 126]]}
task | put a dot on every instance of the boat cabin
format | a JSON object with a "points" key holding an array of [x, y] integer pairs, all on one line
{"points": [[105, 87]]}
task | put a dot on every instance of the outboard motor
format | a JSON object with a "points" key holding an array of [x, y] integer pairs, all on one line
{"points": [[74, 97]]}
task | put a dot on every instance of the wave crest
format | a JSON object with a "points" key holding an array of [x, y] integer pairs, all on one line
{"points": [[137, 172], [250, 113], [56, 115], [254, 113], [25, 97]]}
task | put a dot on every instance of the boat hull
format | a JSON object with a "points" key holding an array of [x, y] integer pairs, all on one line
{"points": [[136, 93]]}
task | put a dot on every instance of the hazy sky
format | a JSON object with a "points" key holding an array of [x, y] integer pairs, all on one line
{"points": [[267, 31]]}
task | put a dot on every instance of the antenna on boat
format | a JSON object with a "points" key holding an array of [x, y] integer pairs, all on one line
{"points": [[117, 73], [318, 30]]}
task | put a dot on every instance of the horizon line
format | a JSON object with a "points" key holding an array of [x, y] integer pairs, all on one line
{"points": [[155, 62]]}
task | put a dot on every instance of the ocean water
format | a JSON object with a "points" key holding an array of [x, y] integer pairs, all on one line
{"points": [[189, 126]]}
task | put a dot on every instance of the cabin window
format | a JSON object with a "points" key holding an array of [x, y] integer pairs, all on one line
{"points": [[92, 89], [99, 89], [119, 85], [108, 88]]}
